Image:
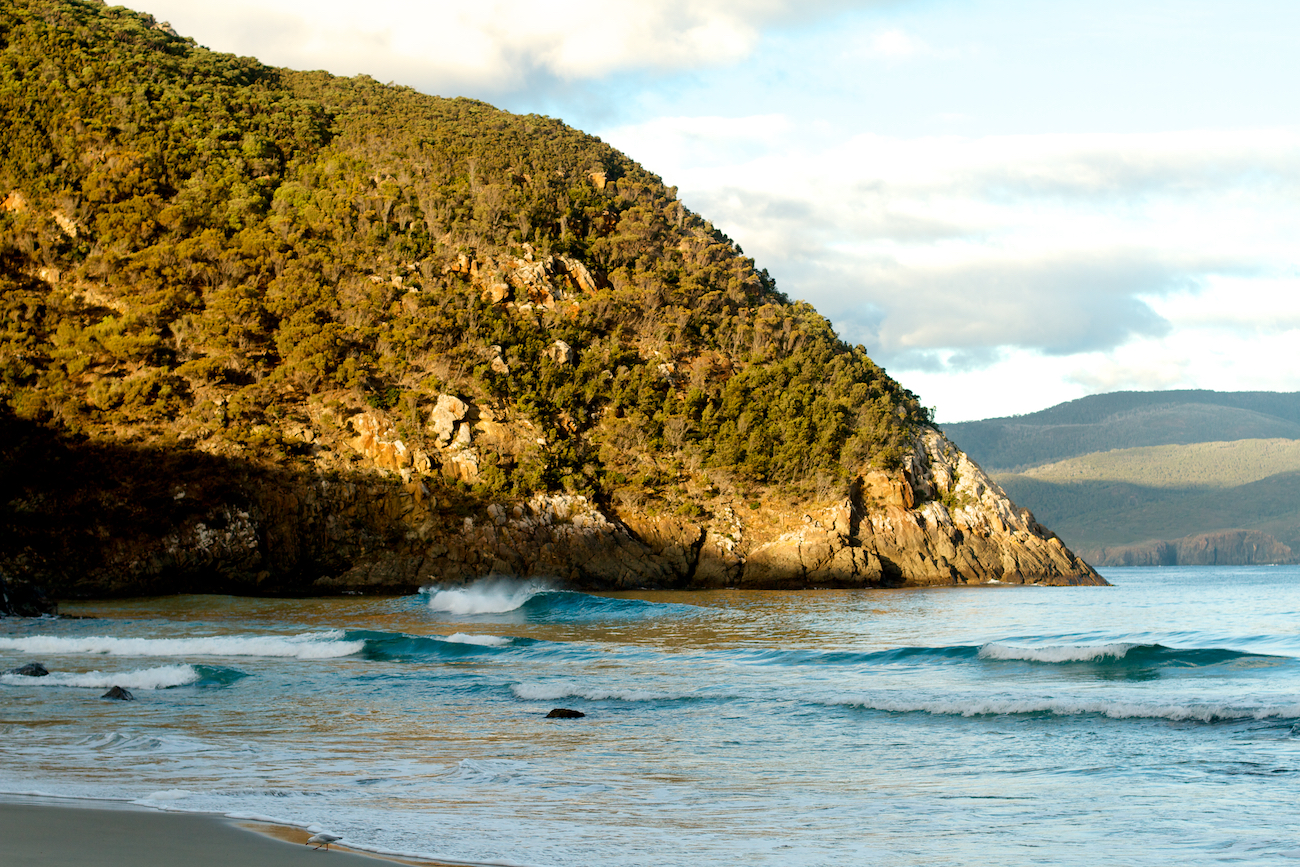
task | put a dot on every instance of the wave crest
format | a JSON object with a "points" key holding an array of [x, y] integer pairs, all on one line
{"points": [[556, 690], [972, 707], [1059, 653], [309, 645], [161, 677], [479, 640], [488, 596]]}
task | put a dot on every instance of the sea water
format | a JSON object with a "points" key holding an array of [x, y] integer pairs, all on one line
{"points": [[1154, 722]]}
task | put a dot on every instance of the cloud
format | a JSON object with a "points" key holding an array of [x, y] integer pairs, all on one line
{"points": [[1108, 375], [1058, 305], [941, 252], [888, 45], [492, 45]]}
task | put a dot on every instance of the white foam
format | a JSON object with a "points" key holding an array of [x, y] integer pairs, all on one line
{"points": [[1073, 707], [556, 690], [309, 645], [481, 640], [167, 795], [162, 677], [488, 596], [1060, 653]]}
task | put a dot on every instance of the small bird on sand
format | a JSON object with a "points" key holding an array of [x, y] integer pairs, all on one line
{"points": [[323, 839]]}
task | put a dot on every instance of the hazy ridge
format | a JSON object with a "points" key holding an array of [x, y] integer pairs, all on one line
{"points": [[1134, 477]]}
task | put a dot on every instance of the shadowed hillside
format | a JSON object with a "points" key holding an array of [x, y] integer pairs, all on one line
{"points": [[1156, 478], [1124, 420]]}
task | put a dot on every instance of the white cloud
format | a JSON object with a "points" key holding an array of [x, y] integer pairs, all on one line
{"points": [[888, 45], [491, 45], [1083, 262], [1055, 243]]}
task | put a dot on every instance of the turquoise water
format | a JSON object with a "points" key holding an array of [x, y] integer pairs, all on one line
{"points": [[1153, 722]]}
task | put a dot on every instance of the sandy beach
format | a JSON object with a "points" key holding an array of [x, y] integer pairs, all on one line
{"points": [[55, 834]]}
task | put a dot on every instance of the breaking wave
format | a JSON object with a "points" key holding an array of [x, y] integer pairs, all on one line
{"points": [[400, 647], [489, 596], [309, 645], [536, 602], [162, 677], [479, 640], [1111, 654], [973, 707], [556, 690]]}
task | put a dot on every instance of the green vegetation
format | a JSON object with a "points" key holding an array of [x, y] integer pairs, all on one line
{"points": [[1119, 469], [1200, 465], [1092, 515], [1125, 420], [197, 248]]}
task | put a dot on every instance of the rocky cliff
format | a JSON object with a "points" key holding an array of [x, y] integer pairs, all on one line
{"points": [[281, 332], [183, 521]]}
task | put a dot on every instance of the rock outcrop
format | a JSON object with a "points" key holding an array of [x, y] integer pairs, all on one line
{"points": [[189, 522], [938, 520]]}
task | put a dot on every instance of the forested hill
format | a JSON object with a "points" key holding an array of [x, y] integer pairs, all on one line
{"points": [[266, 328], [195, 244], [1127, 419]]}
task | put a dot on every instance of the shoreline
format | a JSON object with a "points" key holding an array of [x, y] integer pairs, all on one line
{"points": [[68, 832]]}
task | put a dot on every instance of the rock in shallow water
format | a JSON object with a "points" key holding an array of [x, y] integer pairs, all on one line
{"points": [[565, 713], [119, 694], [31, 669]]}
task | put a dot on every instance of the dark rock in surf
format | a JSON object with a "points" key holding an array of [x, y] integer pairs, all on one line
{"points": [[117, 693], [565, 713], [31, 669]]}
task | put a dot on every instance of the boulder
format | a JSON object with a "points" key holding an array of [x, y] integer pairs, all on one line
{"points": [[446, 414], [565, 713], [118, 693], [578, 274], [560, 352], [31, 669]]}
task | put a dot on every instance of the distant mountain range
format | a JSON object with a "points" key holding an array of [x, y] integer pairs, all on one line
{"points": [[1155, 478]]}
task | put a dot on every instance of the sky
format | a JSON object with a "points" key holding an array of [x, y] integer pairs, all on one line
{"points": [[1010, 203]]}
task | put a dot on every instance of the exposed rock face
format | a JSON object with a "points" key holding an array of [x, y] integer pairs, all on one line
{"points": [[527, 281], [940, 520], [188, 522], [447, 413], [1222, 548]]}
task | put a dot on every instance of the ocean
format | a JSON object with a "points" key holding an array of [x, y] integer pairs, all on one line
{"points": [[1150, 723]]}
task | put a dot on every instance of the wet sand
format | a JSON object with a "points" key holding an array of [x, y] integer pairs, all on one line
{"points": [[34, 833]]}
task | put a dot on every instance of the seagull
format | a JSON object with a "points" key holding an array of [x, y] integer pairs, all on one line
{"points": [[323, 839]]}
